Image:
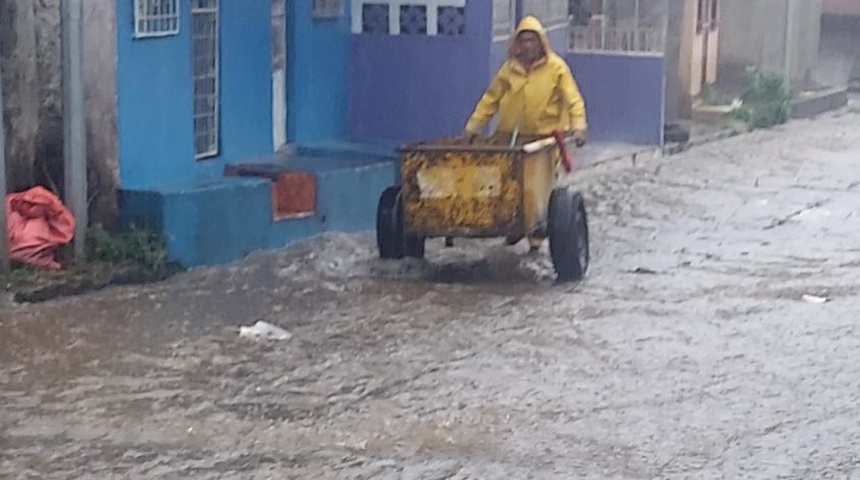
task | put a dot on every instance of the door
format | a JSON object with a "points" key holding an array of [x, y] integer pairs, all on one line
{"points": [[279, 74], [707, 33]]}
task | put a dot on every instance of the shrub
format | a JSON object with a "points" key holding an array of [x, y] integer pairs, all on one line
{"points": [[138, 247], [766, 102]]}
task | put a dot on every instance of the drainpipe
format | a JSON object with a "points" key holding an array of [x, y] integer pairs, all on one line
{"points": [[4, 247], [74, 132], [789, 39]]}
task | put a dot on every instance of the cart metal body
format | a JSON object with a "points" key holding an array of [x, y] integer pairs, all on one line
{"points": [[476, 191]]}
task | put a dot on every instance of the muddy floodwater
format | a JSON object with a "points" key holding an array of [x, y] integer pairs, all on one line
{"points": [[714, 337]]}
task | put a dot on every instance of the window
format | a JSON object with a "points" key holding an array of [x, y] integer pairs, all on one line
{"points": [[620, 26], [708, 15], [156, 18], [328, 8], [504, 12], [409, 17], [206, 63], [550, 12]]}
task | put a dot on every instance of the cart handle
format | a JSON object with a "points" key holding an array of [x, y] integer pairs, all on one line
{"points": [[538, 145], [557, 138]]}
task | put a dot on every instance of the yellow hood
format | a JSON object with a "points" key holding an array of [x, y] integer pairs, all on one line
{"points": [[530, 24], [537, 100]]}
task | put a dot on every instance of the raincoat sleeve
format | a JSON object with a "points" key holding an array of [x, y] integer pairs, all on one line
{"points": [[573, 100], [489, 103]]}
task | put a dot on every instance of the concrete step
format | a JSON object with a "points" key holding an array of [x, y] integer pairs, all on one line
{"points": [[815, 103]]}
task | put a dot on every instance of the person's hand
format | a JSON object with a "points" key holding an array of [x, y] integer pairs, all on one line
{"points": [[579, 137]]}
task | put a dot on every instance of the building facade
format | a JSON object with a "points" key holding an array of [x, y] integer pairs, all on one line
{"points": [[780, 36], [239, 125]]}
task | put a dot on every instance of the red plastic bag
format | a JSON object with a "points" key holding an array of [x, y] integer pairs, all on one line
{"points": [[37, 223]]}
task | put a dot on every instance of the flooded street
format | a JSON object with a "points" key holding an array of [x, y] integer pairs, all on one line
{"points": [[714, 337]]}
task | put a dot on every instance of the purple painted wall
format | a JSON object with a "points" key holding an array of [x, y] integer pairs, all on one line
{"points": [[407, 88], [623, 96]]}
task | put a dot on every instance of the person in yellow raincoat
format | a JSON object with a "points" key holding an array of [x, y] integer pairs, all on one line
{"points": [[534, 92]]}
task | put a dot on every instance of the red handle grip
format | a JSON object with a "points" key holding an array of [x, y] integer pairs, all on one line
{"points": [[566, 159]]}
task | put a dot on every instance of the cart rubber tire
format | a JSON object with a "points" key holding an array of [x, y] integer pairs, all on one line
{"points": [[413, 247], [568, 235], [391, 240]]}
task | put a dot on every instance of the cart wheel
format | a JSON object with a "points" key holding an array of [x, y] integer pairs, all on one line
{"points": [[413, 247], [391, 239], [568, 235]]}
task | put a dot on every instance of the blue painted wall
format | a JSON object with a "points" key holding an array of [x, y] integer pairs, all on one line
{"points": [[623, 96], [406, 88], [155, 102], [209, 223], [222, 220], [318, 74], [246, 83], [347, 198]]}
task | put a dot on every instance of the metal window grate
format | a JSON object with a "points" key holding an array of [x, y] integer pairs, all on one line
{"points": [[451, 21], [413, 19], [205, 24], [409, 17], [156, 18], [622, 26], [374, 18]]}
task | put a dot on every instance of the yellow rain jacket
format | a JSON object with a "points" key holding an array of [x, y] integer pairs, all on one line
{"points": [[540, 99]]}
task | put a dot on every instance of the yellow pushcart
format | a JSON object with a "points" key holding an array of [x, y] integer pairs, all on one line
{"points": [[449, 189]]}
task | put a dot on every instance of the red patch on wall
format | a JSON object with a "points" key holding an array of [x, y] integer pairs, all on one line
{"points": [[294, 194]]}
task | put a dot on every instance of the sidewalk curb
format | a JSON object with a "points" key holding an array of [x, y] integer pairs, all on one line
{"points": [[635, 159], [639, 157]]}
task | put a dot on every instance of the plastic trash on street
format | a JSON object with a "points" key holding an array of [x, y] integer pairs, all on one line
{"points": [[264, 331]]}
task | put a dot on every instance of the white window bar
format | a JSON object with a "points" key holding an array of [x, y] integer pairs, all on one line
{"points": [[156, 18], [394, 13], [206, 62]]}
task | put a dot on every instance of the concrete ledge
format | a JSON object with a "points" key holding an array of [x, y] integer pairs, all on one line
{"points": [[222, 220], [712, 114], [816, 103], [205, 223], [348, 150]]}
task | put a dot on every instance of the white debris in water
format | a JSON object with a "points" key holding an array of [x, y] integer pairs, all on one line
{"points": [[264, 331], [815, 299]]}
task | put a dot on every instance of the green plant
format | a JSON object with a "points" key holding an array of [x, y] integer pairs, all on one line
{"points": [[766, 102], [138, 247]]}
